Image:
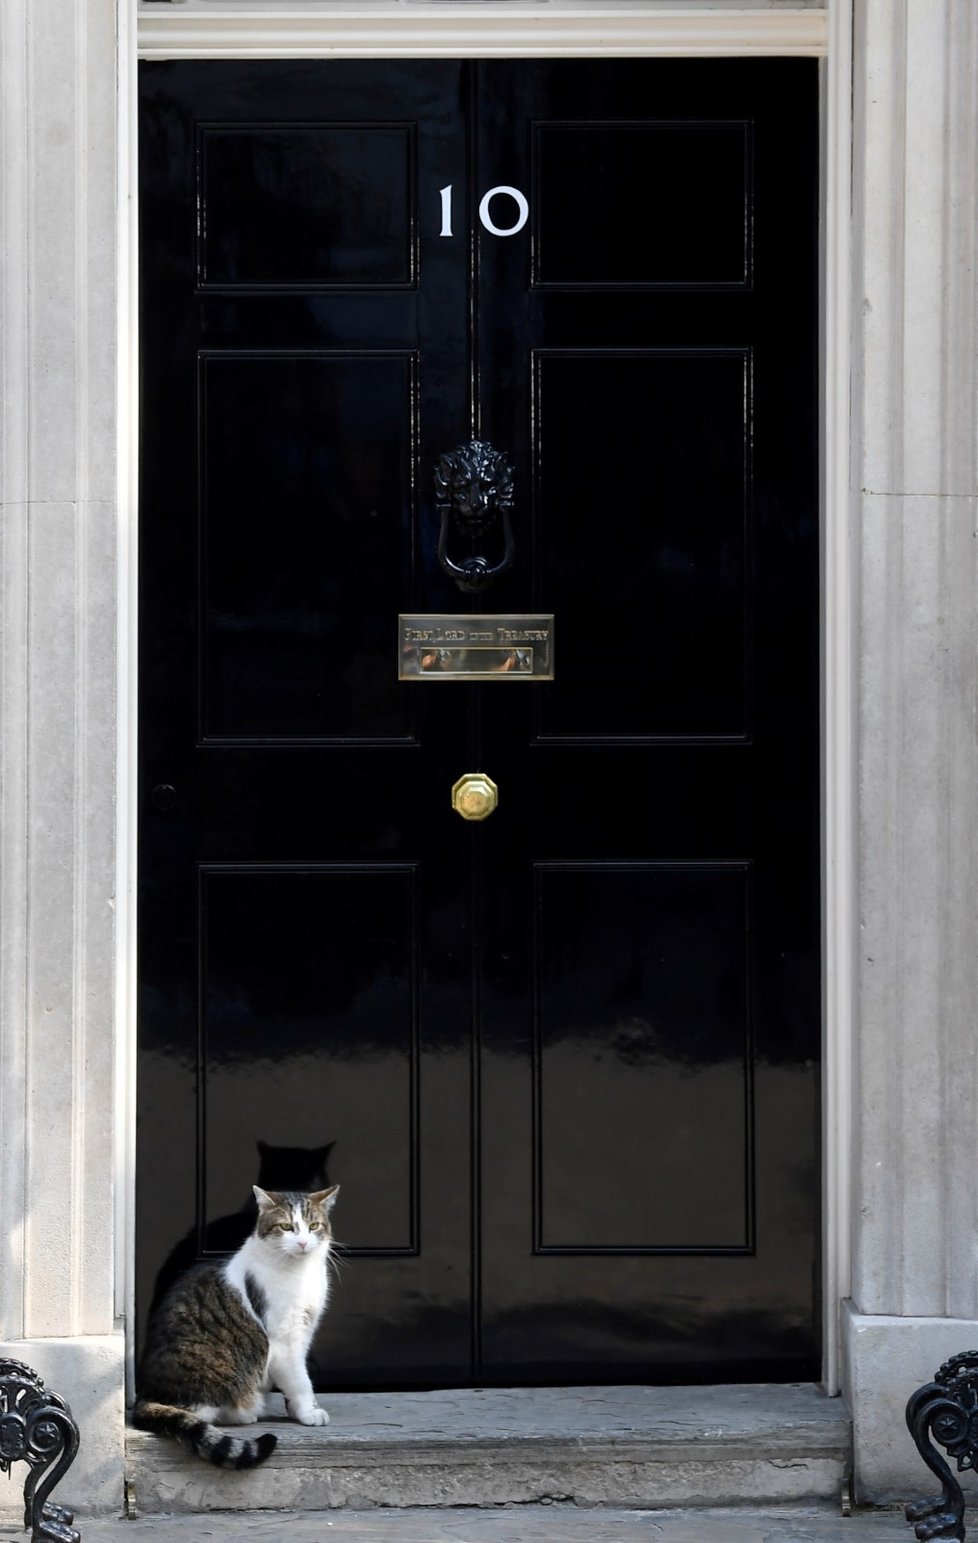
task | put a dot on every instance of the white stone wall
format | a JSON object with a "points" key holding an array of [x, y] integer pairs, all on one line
{"points": [[915, 451], [58, 329]]}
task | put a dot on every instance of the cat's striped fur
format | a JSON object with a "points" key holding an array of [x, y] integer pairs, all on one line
{"points": [[226, 1333]]}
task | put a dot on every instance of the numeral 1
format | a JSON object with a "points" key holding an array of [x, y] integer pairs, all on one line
{"points": [[446, 210]]}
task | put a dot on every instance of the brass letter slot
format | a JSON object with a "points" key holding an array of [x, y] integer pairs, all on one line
{"points": [[512, 647]]}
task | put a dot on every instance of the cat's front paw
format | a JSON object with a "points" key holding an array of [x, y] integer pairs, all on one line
{"points": [[313, 1415]]}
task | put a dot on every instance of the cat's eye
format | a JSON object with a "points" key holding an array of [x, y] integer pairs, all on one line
{"points": [[284, 1227]]}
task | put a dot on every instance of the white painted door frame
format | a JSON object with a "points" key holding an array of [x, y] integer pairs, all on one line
{"points": [[523, 28]]}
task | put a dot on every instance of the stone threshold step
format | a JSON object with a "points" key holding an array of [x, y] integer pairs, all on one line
{"points": [[625, 1446]]}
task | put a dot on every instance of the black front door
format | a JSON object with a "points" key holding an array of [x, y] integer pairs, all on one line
{"points": [[562, 1061]]}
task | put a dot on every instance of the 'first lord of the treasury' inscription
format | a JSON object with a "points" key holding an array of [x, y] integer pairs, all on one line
{"points": [[514, 647]]}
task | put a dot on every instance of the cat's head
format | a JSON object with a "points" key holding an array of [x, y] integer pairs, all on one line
{"points": [[293, 1224]]}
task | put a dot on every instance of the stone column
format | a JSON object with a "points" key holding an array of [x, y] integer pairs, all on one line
{"points": [[58, 335], [915, 497]]}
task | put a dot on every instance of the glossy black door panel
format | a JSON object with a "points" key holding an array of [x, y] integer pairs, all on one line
{"points": [[290, 360], [301, 967], [563, 1063], [660, 464], [642, 1009], [676, 196], [306, 205], [654, 855], [289, 651]]}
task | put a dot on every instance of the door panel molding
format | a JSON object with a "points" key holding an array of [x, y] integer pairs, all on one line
{"points": [[726, 224], [597, 462], [569, 1175], [393, 268], [199, 30], [236, 899], [220, 623]]}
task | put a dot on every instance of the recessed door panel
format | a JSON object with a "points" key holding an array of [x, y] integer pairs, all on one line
{"points": [[642, 1033], [293, 516], [654, 640], [299, 967], [306, 205], [562, 1059], [677, 197]]}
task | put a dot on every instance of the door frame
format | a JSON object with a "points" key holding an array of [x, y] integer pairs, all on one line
{"points": [[633, 28]]}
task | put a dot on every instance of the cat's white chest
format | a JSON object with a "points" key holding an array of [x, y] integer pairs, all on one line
{"points": [[293, 1312], [288, 1298]]}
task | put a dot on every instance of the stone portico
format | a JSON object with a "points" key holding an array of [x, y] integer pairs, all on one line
{"points": [[901, 777]]}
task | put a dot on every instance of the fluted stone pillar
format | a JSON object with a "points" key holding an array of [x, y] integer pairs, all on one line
{"points": [[57, 717], [915, 500]]}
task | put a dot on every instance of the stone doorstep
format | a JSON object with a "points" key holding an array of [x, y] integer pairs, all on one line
{"points": [[622, 1446]]}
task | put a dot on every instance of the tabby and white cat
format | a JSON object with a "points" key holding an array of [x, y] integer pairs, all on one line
{"points": [[227, 1333], [279, 1168]]}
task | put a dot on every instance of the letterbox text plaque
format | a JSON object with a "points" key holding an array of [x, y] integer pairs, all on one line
{"points": [[513, 647]]}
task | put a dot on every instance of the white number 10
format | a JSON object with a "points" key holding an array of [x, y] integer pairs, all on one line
{"points": [[523, 210]]}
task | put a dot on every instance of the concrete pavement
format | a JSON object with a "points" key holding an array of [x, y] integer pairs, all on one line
{"points": [[556, 1523]]}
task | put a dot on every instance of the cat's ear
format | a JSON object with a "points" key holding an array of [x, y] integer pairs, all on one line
{"points": [[265, 1200], [325, 1198]]}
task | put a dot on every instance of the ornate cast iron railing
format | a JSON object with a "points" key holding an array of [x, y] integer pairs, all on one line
{"points": [[37, 1428], [945, 1411]]}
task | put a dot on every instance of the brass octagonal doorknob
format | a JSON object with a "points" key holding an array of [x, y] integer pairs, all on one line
{"points": [[474, 796]]}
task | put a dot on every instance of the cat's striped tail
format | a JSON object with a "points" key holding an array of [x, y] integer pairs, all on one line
{"points": [[210, 1442]]}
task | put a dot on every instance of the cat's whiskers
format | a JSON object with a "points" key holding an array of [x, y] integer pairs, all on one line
{"points": [[337, 1259]]}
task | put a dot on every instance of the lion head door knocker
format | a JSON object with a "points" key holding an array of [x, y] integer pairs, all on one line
{"points": [[475, 484]]}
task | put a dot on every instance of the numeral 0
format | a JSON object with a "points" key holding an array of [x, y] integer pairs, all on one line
{"points": [[523, 210]]}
